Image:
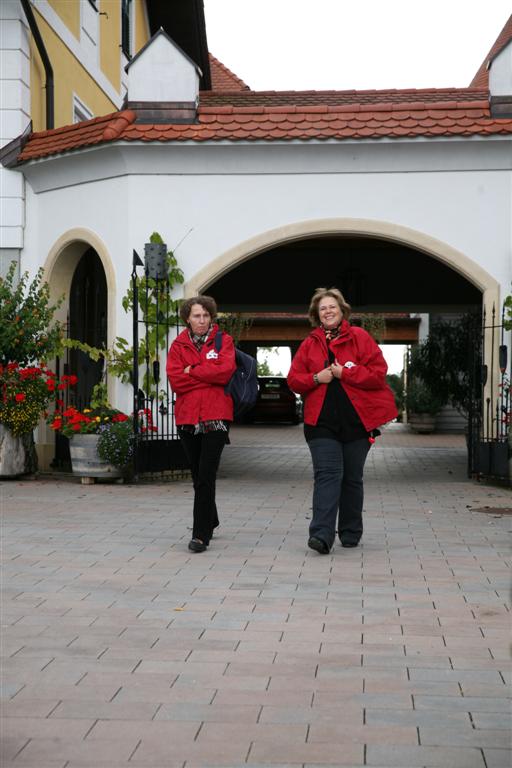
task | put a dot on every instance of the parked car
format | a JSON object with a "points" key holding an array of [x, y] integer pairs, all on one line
{"points": [[276, 402]]}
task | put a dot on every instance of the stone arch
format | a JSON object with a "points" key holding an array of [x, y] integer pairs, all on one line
{"points": [[61, 262], [59, 268], [384, 230]]}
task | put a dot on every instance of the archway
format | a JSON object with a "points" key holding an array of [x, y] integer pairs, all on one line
{"points": [[79, 268], [87, 322], [381, 267], [384, 232]]}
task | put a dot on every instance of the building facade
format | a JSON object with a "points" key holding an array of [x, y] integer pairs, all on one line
{"points": [[403, 198]]}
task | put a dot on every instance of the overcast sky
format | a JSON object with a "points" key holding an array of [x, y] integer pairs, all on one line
{"points": [[353, 44], [345, 44]]}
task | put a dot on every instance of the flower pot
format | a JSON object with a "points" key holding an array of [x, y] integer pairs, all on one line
{"points": [[85, 461], [423, 423], [12, 454]]}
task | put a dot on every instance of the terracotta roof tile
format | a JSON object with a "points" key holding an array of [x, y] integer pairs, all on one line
{"points": [[408, 113], [223, 79], [337, 98], [481, 79]]}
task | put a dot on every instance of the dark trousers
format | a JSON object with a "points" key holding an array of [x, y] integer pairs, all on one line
{"points": [[338, 489], [203, 453]]}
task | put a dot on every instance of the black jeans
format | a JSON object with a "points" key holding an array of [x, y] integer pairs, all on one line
{"points": [[203, 453], [338, 489]]}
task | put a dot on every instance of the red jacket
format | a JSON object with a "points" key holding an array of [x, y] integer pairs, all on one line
{"points": [[364, 381], [200, 394]]}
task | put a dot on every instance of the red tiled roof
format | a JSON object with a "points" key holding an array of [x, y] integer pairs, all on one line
{"points": [[222, 77], [463, 112], [334, 98], [481, 79]]}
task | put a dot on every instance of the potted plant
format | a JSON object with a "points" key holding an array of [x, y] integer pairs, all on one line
{"points": [[25, 393], [28, 335], [422, 405], [101, 437]]}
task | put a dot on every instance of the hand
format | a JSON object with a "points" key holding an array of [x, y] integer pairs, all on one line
{"points": [[337, 370], [325, 376], [187, 369]]}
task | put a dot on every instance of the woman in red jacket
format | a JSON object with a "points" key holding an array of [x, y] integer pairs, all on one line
{"points": [[197, 373], [341, 374]]}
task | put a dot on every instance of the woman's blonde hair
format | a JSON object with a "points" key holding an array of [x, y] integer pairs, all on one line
{"points": [[321, 293]]}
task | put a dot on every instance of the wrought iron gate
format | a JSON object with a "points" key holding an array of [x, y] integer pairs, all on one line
{"points": [[490, 403], [157, 448]]}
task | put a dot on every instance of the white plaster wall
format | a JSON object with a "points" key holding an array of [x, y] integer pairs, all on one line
{"points": [[500, 74], [14, 118], [162, 73], [215, 210], [454, 195]]}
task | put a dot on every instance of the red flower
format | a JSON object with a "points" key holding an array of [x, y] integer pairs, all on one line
{"points": [[76, 427], [72, 379], [56, 424], [120, 417], [19, 397], [61, 386], [50, 385]]}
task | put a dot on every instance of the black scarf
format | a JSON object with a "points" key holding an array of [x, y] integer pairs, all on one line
{"points": [[331, 333]]}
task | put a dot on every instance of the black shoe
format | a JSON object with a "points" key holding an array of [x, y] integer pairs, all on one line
{"points": [[347, 544], [196, 545], [318, 545]]}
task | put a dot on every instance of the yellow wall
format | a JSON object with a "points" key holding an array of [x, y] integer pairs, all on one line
{"points": [[69, 12], [70, 78], [141, 36], [110, 41]]}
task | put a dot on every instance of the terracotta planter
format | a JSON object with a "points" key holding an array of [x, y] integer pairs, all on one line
{"points": [[423, 423], [85, 461], [13, 455]]}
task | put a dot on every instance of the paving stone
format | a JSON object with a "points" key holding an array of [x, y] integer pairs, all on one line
{"points": [[464, 737], [430, 757], [418, 718], [122, 648], [491, 720], [497, 758], [462, 704]]}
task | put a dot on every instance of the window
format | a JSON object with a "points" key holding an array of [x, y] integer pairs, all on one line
{"points": [[80, 111], [126, 14]]}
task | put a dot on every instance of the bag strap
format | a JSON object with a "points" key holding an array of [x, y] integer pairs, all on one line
{"points": [[218, 341]]}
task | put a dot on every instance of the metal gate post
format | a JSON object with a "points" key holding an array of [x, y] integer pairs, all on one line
{"points": [[136, 262]]}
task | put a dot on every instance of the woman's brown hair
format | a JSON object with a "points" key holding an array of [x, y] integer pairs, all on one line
{"points": [[206, 302], [321, 293]]}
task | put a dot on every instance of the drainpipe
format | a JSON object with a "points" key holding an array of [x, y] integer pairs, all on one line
{"points": [[25, 4]]}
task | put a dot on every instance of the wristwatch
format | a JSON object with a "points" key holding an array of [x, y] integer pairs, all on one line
{"points": [[315, 379]]}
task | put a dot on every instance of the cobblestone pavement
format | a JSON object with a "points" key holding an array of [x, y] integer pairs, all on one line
{"points": [[121, 648]]}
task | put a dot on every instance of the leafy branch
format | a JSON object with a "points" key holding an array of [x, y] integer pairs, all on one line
{"points": [[157, 311], [28, 331]]}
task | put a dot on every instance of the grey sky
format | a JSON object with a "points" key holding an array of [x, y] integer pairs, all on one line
{"points": [[345, 44]]}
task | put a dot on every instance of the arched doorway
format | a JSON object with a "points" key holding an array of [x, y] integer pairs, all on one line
{"points": [[381, 267], [87, 321], [387, 237]]}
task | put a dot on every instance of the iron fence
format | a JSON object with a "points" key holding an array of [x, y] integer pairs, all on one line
{"points": [[157, 448], [490, 403]]}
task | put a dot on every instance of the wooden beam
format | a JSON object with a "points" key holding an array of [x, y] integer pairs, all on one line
{"points": [[274, 331]]}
